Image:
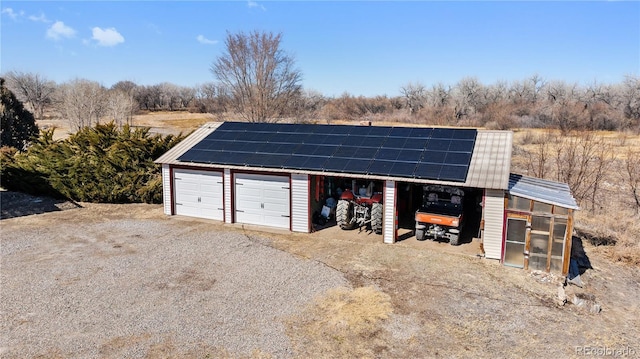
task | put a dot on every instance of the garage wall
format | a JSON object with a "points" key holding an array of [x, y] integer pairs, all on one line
{"points": [[166, 189], [228, 210], [389, 222], [493, 223], [300, 198]]}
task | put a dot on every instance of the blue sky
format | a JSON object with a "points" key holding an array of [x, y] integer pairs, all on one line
{"points": [[364, 48]]}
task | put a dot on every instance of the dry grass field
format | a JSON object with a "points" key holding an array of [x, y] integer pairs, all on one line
{"points": [[407, 300]]}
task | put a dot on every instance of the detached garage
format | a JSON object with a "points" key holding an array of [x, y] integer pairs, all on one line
{"points": [[276, 175]]}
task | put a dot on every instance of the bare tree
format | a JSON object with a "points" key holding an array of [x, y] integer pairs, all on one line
{"points": [[261, 77], [469, 97], [81, 102], [34, 90], [211, 97], [632, 176], [119, 106], [414, 96], [582, 161], [631, 98], [308, 106], [128, 87]]}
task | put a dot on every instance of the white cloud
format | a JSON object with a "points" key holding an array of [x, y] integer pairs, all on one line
{"points": [[59, 30], [39, 18], [253, 4], [107, 37], [9, 11], [203, 40]]}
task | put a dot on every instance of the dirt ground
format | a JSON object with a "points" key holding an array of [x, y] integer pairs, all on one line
{"points": [[410, 299]]}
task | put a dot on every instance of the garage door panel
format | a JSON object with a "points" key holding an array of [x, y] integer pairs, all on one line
{"points": [[187, 211], [249, 217], [250, 204], [248, 192], [277, 221], [276, 194], [198, 194], [262, 200], [278, 208], [186, 198]]}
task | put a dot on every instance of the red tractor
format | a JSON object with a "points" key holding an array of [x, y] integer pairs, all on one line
{"points": [[358, 210]]}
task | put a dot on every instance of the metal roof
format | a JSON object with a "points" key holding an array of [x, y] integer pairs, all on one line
{"points": [[170, 157], [491, 160], [488, 167], [542, 190]]}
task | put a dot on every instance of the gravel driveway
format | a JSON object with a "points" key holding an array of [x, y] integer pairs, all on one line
{"points": [[87, 283]]}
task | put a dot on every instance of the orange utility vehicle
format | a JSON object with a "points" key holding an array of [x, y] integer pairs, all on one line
{"points": [[440, 216]]}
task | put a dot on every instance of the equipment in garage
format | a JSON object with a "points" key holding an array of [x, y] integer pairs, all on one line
{"points": [[440, 215], [357, 210]]}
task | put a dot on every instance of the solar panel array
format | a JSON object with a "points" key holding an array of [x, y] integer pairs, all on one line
{"points": [[424, 153]]}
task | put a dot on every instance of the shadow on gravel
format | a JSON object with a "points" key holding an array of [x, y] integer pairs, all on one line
{"points": [[16, 204]]}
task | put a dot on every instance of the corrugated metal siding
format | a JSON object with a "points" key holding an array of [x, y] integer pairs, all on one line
{"points": [[491, 160], [493, 223], [389, 222], [300, 203], [167, 201], [542, 190], [228, 211], [171, 156]]}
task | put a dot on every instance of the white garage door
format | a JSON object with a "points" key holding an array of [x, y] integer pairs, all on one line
{"points": [[262, 199], [198, 193]]}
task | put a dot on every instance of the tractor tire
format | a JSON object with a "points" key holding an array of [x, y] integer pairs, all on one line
{"points": [[344, 214], [453, 239], [376, 218]]}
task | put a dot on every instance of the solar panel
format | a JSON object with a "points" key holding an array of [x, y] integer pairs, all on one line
{"points": [[425, 153], [458, 158], [325, 151], [380, 167], [403, 169], [374, 141], [421, 132], [465, 134], [295, 161], [403, 132], [357, 165], [394, 142], [453, 173], [336, 164], [410, 156], [434, 156], [387, 154], [345, 151], [379, 131], [428, 170], [438, 144], [443, 133], [356, 140], [415, 143], [315, 163]]}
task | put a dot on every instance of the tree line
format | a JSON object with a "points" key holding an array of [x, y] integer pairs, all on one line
{"points": [[530, 103]]}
